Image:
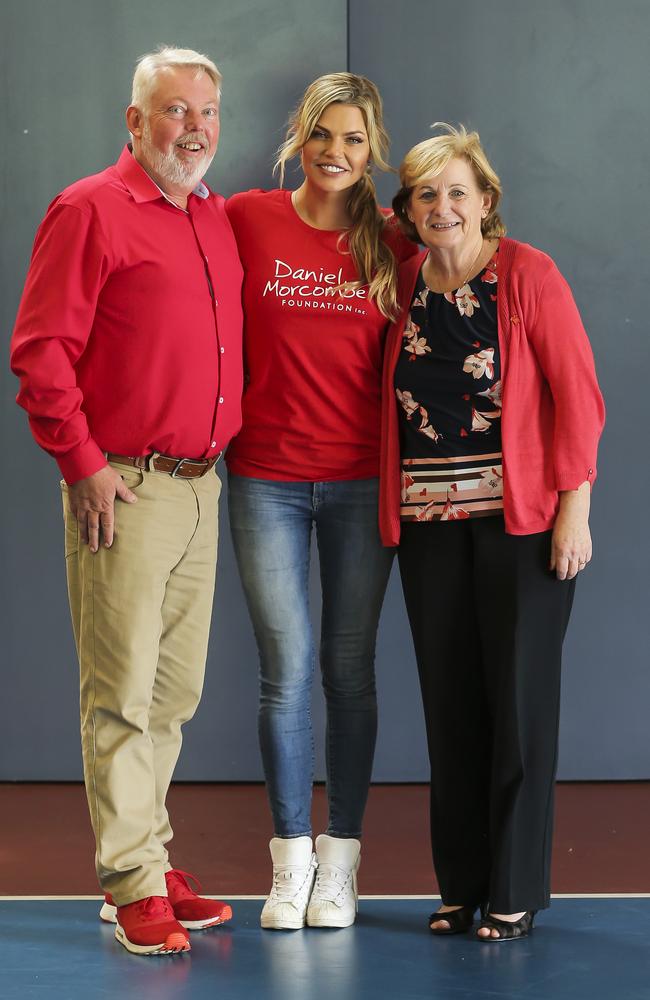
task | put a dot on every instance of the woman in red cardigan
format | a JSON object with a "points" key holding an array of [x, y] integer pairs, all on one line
{"points": [[490, 424]]}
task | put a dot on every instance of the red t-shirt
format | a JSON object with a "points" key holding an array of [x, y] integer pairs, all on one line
{"points": [[313, 356]]}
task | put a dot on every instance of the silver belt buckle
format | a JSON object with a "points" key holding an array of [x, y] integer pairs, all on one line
{"points": [[179, 465]]}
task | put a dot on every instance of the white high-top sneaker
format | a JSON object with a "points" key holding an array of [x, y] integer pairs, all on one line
{"points": [[294, 868], [334, 897]]}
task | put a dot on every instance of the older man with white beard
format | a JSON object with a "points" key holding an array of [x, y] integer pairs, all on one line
{"points": [[128, 349]]}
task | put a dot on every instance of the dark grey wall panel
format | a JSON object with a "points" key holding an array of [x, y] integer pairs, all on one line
{"points": [[558, 91]]}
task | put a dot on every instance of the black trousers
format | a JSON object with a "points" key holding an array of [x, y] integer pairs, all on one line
{"points": [[488, 621]]}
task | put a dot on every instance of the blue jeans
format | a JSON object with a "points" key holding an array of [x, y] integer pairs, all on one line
{"points": [[271, 524]]}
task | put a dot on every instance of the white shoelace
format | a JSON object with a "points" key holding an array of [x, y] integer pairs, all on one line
{"points": [[289, 881], [331, 881]]}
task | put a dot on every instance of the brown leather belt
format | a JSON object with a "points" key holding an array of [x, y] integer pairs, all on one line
{"points": [[177, 468]]}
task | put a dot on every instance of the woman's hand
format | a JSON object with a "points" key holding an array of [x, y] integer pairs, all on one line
{"points": [[571, 540]]}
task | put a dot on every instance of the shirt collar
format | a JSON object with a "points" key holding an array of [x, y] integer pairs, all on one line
{"points": [[140, 185]]}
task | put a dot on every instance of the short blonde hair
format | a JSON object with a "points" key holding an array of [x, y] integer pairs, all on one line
{"points": [[430, 158], [167, 57], [373, 259]]}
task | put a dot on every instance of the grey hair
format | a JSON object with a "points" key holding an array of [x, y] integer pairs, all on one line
{"points": [[167, 56]]}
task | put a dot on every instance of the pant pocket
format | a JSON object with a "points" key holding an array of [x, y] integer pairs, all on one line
{"points": [[132, 476], [71, 539]]}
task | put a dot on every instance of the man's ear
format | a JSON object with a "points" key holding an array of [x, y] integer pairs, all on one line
{"points": [[134, 120]]}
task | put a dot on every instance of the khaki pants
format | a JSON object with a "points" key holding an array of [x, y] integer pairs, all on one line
{"points": [[141, 617]]}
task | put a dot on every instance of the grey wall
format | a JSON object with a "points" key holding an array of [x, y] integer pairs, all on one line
{"points": [[546, 90], [558, 90]]}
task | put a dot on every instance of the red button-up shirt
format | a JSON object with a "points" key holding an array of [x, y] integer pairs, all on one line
{"points": [[128, 335]]}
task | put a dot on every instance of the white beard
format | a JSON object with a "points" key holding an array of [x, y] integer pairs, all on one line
{"points": [[171, 168]]}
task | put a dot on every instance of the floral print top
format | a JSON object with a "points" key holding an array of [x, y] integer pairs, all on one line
{"points": [[448, 384]]}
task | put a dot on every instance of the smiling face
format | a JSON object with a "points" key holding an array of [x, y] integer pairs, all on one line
{"points": [[176, 136], [447, 210], [336, 154]]}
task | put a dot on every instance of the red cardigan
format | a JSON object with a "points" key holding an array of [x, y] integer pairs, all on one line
{"points": [[553, 412]]}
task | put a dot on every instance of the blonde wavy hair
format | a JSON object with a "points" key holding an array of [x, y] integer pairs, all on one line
{"points": [[430, 158], [373, 259]]}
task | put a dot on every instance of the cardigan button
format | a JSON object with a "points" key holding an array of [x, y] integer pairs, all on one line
{"points": [[514, 319]]}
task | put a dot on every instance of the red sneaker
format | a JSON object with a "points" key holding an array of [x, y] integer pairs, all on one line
{"points": [[193, 912], [148, 927]]}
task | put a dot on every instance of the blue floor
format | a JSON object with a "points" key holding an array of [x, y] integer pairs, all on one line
{"points": [[582, 949]]}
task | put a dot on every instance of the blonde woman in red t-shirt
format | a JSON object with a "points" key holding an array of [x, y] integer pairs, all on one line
{"points": [[319, 288]]}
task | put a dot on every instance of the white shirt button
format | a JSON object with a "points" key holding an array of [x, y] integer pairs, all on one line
{"points": [[221, 399], [214, 444], [223, 350]]}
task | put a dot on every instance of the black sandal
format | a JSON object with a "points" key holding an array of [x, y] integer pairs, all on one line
{"points": [[509, 930], [459, 920]]}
